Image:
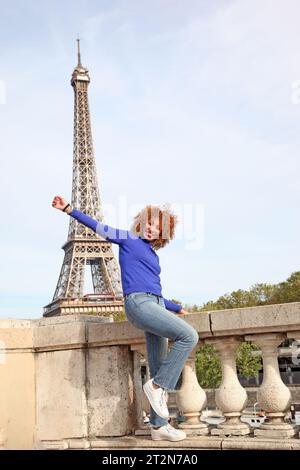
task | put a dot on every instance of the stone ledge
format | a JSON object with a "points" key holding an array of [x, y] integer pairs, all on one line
{"points": [[124, 333], [262, 319], [64, 332], [197, 443]]}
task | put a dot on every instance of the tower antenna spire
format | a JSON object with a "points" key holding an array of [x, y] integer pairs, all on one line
{"points": [[78, 52]]}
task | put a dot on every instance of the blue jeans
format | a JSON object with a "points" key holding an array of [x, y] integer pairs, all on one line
{"points": [[148, 313]]}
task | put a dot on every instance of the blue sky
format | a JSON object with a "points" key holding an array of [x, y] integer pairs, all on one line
{"points": [[191, 103]]}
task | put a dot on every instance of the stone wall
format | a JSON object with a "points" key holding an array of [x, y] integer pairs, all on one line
{"points": [[55, 385], [72, 381], [17, 389]]}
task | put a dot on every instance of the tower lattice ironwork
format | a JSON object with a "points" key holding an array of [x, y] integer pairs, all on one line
{"points": [[84, 247]]}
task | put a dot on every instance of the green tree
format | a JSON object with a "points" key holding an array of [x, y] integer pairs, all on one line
{"points": [[208, 367], [208, 364], [288, 291], [247, 363], [119, 316], [258, 294]]}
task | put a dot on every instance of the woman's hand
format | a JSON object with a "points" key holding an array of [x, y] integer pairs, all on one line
{"points": [[183, 312], [59, 203]]}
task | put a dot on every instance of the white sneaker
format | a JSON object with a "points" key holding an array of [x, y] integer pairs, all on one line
{"points": [[167, 433], [157, 399]]}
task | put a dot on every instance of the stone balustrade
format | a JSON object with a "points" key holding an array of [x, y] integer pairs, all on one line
{"points": [[75, 381]]}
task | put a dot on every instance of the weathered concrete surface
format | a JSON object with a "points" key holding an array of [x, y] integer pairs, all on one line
{"points": [[60, 344], [70, 378], [110, 391], [84, 392], [62, 332], [237, 321], [61, 394], [81, 391], [200, 442], [125, 333], [269, 318], [17, 385]]}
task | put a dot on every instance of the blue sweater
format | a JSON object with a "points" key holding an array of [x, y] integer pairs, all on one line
{"points": [[139, 263]]}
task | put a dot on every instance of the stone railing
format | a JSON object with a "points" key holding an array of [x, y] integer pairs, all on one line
{"points": [[74, 381]]}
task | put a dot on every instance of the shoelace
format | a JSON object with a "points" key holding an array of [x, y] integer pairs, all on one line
{"points": [[163, 397]]}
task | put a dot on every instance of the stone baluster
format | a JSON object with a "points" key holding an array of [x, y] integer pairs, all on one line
{"points": [[191, 399], [231, 397], [273, 396]]}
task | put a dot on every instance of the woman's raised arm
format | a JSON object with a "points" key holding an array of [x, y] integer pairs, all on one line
{"points": [[111, 234]]}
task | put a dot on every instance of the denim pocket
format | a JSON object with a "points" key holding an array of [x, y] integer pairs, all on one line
{"points": [[140, 299], [135, 295]]}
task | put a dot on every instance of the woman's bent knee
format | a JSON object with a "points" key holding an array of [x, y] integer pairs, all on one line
{"points": [[191, 338], [195, 338]]}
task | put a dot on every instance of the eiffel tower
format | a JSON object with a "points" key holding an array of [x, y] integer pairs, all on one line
{"points": [[85, 247]]}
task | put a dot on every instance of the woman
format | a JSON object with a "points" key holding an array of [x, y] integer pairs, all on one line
{"points": [[145, 306]]}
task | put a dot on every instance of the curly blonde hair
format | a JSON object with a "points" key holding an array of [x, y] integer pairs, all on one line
{"points": [[167, 223]]}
